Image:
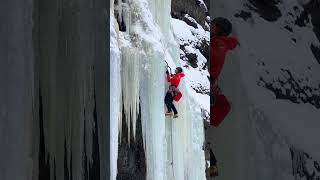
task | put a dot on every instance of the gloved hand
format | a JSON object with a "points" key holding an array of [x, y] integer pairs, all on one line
{"points": [[167, 72]]}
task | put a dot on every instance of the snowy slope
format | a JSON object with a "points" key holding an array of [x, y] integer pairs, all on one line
{"points": [[276, 103], [194, 62]]}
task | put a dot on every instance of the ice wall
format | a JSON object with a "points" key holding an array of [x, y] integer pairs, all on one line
{"points": [[141, 54], [185, 136], [115, 93], [144, 44]]}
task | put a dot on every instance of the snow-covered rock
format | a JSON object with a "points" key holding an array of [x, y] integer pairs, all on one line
{"points": [[194, 49]]}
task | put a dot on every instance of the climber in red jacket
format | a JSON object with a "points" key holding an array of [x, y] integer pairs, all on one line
{"points": [[220, 44], [173, 92]]}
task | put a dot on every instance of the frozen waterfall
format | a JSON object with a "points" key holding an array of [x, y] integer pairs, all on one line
{"points": [[141, 41]]}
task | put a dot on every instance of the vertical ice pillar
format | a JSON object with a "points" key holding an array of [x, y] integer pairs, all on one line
{"points": [[156, 140], [153, 121], [115, 93], [161, 13]]}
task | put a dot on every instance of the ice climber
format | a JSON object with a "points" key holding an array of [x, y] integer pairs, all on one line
{"points": [[220, 44], [173, 93]]}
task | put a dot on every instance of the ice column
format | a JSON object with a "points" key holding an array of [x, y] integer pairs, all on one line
{"points": [[139, 65], [115, 93]]}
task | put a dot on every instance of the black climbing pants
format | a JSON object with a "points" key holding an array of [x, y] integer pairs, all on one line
{"points": [[169, 102]]}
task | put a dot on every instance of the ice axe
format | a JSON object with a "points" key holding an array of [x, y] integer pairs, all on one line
{"points": [[168, 68]]}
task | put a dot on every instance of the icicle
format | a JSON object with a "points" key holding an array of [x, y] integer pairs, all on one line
{"points": [[130, 86]]}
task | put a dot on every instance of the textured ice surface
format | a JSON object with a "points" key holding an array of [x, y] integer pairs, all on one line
{"points": [[142, 50]]}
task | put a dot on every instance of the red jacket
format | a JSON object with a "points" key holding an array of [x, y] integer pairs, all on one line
{"points": [[219, 46], [175, 79]]}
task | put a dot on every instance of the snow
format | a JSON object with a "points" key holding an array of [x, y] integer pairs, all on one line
{"points": [[186, 33], [182, 31], [190, 37]]}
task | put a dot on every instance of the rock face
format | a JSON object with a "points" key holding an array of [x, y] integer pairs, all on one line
{"points": [[131, 158], [54, 115], [312, 9], [195, 8], [194, 13], [303, 165], [299, 91], [266, 9], [194, 48]]}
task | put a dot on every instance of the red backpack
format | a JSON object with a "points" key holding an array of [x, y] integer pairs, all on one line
{"points": [[219, 110], [178, 96]]}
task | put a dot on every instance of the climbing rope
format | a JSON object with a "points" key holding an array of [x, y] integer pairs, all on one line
{"points": [[172, 150], [170, 72]]}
